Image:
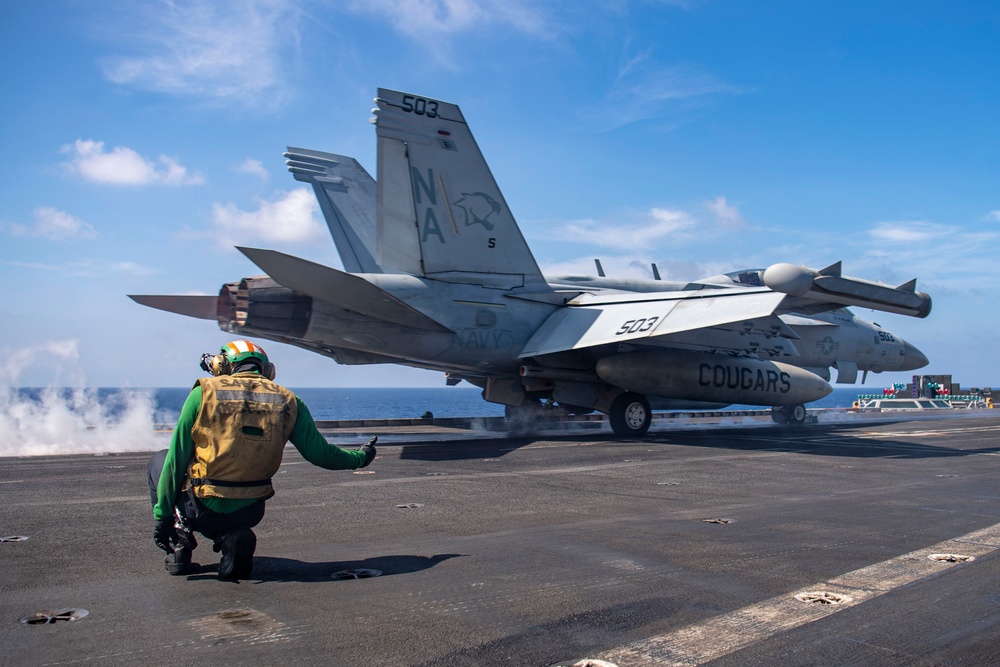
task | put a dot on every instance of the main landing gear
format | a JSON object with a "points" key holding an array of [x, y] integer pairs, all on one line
{"points": [[630, 415], [789, 414]]}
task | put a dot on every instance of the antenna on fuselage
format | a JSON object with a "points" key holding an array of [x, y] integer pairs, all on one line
{"points": [[656, 272], [600, 269]]}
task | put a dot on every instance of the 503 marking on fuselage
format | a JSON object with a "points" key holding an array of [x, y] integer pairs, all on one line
{"points": [[638, 326]]}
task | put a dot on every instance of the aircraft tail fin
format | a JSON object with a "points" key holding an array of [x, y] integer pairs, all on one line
{"points": [[440, 212], [346, 195]]}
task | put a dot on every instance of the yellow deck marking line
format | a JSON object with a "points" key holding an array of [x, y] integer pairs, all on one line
{"points": [[725, 634]]}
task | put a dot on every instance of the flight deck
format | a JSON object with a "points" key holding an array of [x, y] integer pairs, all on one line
{"points": [[855, 542]]}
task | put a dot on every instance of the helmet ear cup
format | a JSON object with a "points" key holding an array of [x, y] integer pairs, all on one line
{"points": [[268, 371], [220, 365]]}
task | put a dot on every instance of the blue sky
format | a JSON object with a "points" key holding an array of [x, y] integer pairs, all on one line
{"points": [[144, 140]]}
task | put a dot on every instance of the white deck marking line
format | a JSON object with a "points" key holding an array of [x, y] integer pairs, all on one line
{"points": [[913, 434], [725, 634]]}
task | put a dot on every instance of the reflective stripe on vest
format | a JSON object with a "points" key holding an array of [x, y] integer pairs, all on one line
{"points": [[239, 435]]}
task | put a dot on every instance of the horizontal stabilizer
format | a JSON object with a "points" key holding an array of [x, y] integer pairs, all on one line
{"points": [[341, 289], [202, 307]]}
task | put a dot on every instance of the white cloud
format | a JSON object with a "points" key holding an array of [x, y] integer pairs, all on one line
{"points": [[644, 89], [634, 266], [254, 168], [649, 228], [658, 223], [16, 361], [292, 217], [911, 231], [220, 50], [725, 214], [54, 224], [993, 216], [89, 268], [418, 18], [129, 268], [615, 266], [51, 223], [35, 266], [124, 166]]}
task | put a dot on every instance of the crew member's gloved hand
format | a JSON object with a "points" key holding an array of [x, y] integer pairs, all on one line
{"points": [[164, 533], [369, 449]]}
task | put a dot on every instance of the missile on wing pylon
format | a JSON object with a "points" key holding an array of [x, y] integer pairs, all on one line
{"points": [[829, 285], [712, 377]]}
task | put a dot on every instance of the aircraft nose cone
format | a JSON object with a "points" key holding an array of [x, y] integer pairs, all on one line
{"points": [[913, 358]]}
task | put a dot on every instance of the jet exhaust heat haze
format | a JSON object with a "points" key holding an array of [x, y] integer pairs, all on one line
{"points": [[438, 276]]}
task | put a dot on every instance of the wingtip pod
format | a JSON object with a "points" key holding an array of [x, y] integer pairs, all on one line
{"points": [[829, 285]]}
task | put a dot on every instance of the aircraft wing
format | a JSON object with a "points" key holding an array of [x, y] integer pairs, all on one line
{"points": [[590, 320], [341, 289]]}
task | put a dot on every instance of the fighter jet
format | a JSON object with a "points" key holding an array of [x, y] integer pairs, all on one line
{"points": [[438, 276]]}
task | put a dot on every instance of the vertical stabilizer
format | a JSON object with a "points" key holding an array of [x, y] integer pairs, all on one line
{"points": [[439, 209], [346, 195]]}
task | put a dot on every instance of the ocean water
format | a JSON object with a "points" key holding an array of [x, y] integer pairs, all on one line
{"points": [[75, 421], [411, 403], [369, 403]]}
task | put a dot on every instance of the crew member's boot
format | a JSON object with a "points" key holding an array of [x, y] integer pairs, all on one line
{"points": [[238, 546], [178, 562]]}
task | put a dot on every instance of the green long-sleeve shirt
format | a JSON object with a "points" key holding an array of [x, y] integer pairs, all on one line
{"points": [[305, 436]]}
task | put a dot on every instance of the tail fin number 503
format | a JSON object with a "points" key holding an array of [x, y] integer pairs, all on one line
{"points": [[420, 106]]}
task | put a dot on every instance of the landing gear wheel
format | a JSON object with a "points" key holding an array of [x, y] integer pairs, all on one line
{"points": [[789, 414], [630, 415], [796, 414]]}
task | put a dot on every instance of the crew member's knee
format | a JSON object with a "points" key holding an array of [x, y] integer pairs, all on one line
{"points": [[153, 477]]}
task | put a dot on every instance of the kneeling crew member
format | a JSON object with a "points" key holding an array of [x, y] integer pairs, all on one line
{"points": [[216, 475]]}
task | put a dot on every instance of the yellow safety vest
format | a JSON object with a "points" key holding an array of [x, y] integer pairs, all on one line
{"points": [[239, 436]]}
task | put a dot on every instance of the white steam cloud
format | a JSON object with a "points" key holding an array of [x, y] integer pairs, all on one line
{"points": [[70, 421]]}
